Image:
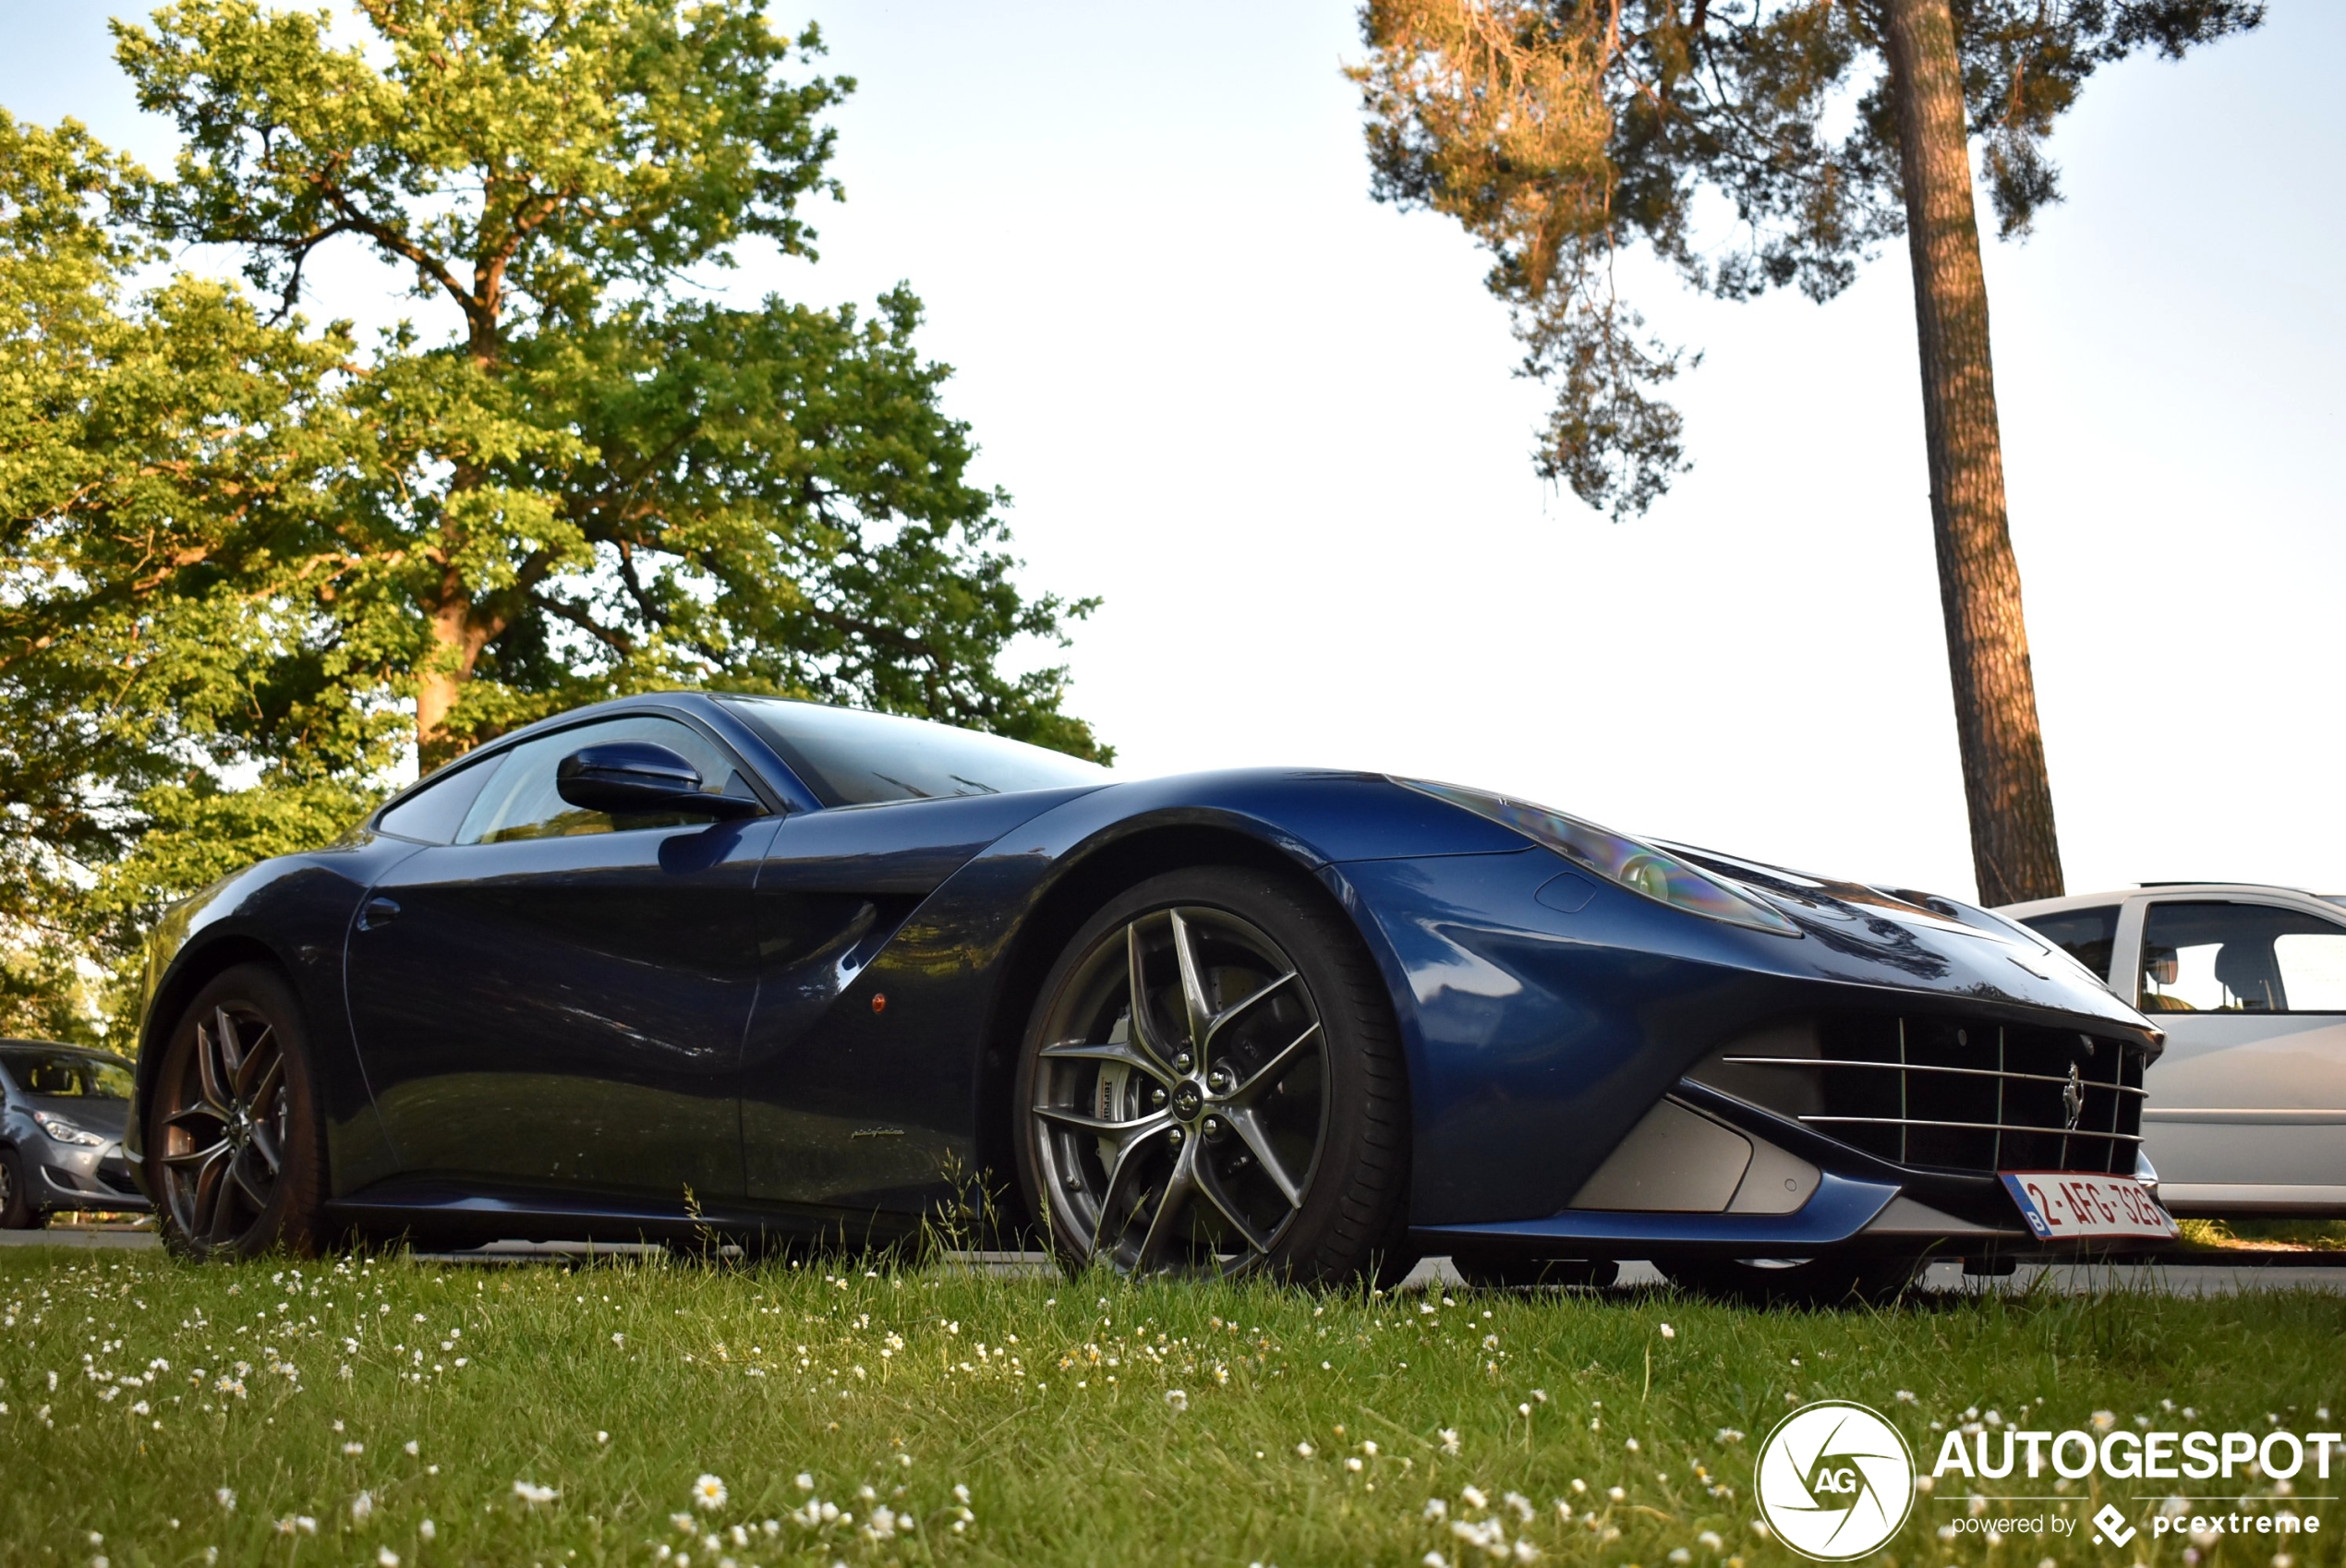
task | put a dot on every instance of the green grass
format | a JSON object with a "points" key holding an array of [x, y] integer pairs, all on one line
{"points": [[2315, 1235], [618, 1385]]}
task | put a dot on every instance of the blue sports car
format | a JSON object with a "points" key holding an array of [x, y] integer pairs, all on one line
{"points": [[693, 964]]}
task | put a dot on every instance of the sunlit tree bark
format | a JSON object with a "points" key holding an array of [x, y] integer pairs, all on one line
{"points": [[2013, 851]]}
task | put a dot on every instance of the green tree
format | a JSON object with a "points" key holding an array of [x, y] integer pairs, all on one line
{"points": [[250, 564], [1563, 132], [595, 485], [163, 455]]}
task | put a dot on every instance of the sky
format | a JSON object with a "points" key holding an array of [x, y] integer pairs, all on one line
{"points": [[1276, 427]]}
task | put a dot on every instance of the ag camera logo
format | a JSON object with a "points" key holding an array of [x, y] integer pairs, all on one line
{"points": [[1835, 1481]]}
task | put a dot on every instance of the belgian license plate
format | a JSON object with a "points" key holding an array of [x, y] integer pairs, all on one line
{"points": [[2061, 1204]]}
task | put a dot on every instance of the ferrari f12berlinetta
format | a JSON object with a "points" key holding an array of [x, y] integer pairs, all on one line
{"points": [[695, 962]]}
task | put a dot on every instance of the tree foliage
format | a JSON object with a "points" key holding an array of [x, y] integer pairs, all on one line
{"points": [[1748, 144], [252, 563], [599, 482], [163, 453]]}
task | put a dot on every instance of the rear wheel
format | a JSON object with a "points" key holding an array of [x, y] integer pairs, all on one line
{"points": [[17, 1212], [1212, 1083], [1835, 1279], [234, 1137]]}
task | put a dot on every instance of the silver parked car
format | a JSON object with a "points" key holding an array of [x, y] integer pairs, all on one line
{"points": [[62, 1111], [2246, 1110]]}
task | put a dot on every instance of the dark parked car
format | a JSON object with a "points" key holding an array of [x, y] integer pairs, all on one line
{"points": [[61, 1130], [784, 970]]}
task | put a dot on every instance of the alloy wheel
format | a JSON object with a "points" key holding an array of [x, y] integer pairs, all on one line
{"points": [[226, 1127], [1181, 1096]]}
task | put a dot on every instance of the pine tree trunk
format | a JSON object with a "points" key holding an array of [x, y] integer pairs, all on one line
{"points": [[2013, 851]]}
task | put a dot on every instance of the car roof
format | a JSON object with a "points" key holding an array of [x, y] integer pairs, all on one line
{"points": [[2164, 889], [61, 1045], [60, 1048], [701, 705]]}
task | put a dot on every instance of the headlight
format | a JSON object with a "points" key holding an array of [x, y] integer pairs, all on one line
{"points": [[68, 1131], [1617, 858]]}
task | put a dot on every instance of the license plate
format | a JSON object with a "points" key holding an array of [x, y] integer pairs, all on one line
{"points": [[2061, 1204]]}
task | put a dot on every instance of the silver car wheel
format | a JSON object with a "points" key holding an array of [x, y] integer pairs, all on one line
{"points": [[1181, 1102], [224, 1128]]}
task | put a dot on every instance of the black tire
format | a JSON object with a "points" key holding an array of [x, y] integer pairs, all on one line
{"points": [[17, 1212], [238, 1151], [1833, 1279], [1269, 1097]]}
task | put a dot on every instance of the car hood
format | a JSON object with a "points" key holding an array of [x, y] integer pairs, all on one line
{"points": [[1919, 933]]}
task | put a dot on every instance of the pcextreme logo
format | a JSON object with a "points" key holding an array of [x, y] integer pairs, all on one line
{"points": [[1835, 1481]]}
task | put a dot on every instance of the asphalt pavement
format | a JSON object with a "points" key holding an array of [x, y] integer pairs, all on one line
{"points": [[2187, 1274]]}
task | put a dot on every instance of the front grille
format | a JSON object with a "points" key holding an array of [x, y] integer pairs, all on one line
{"points": [[114, 1171], [1944, 1093]]}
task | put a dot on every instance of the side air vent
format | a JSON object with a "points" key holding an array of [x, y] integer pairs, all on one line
{"points": [[1676, 1159]]}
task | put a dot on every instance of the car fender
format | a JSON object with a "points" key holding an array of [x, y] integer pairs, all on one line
{"points": [[293, 911], [956, 979]]}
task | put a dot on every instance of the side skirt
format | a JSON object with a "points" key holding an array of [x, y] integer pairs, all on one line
{"points": [[454, 1210]]}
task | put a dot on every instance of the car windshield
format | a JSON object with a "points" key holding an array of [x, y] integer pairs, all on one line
{"points": [[67, 1075], [851, 758], [2088, 936]]}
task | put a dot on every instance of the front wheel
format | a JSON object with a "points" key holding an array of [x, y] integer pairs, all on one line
{"points": [[17, 1212], [1212, 1083], [234, 1137]]}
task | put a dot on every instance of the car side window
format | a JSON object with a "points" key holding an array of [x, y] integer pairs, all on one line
{"points": [[2087, 936], [2215, 958], [67, 1076], [433, 812], [520, 801]]}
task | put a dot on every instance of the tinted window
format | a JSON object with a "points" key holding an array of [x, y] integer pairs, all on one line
{"points": [[2087, 936], [2241, 958], [437, 809], [68, 1075], [850, 758], [522, 803]]}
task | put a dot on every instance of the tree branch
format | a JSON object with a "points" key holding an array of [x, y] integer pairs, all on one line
{"points": [[398, 244], [580, 615]]}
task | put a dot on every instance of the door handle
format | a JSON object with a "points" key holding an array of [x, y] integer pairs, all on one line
{"points": [[375, 913]]}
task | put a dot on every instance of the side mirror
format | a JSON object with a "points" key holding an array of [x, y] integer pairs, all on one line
{"points": [[632, 777]]}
